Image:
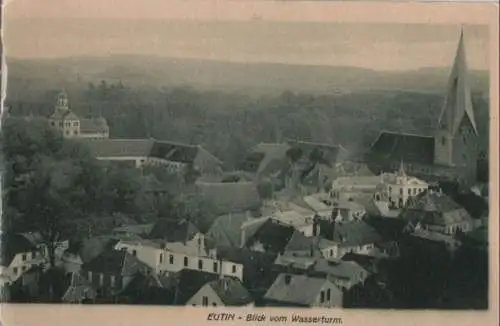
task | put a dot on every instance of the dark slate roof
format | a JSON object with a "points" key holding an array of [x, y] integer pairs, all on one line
{"points": [[190, 281], [369, 263], [118, 262], [273, 235], [175, 152], [351, 233], [231, 292], [302, 289], [173, 230], [391, 146], [12, 244], [93, 125], [119, 147]]}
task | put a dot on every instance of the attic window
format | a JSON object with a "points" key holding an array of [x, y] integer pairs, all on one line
{"points": [[288, 279], [234, 269]]}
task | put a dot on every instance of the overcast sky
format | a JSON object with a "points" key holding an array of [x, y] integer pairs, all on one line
{"points": [[62, 28]]}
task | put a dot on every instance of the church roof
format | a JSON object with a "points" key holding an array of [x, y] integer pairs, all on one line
{"points": [[402, 147], [458, 103]]}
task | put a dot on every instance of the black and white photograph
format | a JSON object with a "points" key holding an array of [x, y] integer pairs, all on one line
{"points": [[155, 161]]}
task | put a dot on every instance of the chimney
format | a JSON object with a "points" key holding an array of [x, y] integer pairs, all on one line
{"points": [[225, 284]]}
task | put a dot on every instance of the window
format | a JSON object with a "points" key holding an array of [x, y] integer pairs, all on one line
{"points": [[400, 191], [443, 140], [75, 132], [200, 264], [24, 268], [214, 304], [15, 270], [134, 252], [331, 252], [215, 267], [75, 124], [171, 259], [161, 258], [53, 124], [234, 269], [204, 301], [67, 132], [199, 241], [409, 191], [24, 257], [390, 189], [186, 261], [328, 294], [322, 297]]}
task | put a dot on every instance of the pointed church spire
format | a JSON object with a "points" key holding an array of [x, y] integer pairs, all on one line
{"points": [[458, 103], [402, 172]]}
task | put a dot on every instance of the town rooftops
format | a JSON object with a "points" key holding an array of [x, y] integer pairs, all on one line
{"points": [[350, 233], [435, 208], [273, 235], [231, 291], [226, 229], [301, 290], [172, 230], [118, 262], [170, 151], [267, 158], [12, 244], [392, 146]]}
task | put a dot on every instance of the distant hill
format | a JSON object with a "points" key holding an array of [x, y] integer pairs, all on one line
{"points": [[258, 78]]}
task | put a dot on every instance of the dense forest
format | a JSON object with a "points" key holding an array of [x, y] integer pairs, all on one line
{"points": [[228, 124]]}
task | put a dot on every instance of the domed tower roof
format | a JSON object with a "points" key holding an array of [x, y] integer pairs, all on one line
{"points": [[62, 100]]}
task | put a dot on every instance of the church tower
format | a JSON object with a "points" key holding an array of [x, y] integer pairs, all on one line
{"points": [[62, 119], [456, 136]]}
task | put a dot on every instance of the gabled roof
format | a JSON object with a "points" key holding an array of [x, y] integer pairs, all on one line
{"points": [[346, 270], [119, 147], [79, 289], [190, 281], [226, 229], [173, 230], [118, 262], [350, 233], [392, 146], [170, 151], [12, 244], [231, 291], [301, 289], [458, 103]]}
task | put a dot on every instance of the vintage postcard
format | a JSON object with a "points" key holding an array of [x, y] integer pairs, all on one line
{"points": [[249, 162]]}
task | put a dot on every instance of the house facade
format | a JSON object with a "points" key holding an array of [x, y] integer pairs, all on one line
{"points": [[223, 292], [18, 256]]}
